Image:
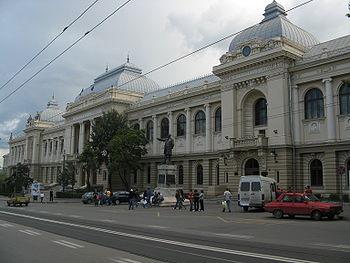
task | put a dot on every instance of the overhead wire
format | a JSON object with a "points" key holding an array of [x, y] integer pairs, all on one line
{"points": [[65, 50], [48, 44]]}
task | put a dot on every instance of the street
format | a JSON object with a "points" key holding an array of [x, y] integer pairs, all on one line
{"points": [[73, 232]]}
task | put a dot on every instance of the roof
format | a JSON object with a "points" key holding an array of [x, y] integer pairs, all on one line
{"points": [[52, 113], [125, 77], [275, 24], [181, 86], [329, 48]]}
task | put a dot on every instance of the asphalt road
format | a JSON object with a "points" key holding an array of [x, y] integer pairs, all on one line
{"points": [[147, 235]]}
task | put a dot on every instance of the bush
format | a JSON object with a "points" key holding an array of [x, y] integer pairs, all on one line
{"points": [[68, 195]]}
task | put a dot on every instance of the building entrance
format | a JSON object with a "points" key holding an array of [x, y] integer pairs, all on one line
{"points": [[251, 167]]}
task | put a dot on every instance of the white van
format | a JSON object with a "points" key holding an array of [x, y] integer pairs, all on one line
{"points": [[256, 191]]}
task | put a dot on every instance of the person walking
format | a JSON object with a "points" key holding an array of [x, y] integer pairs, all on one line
{"points": [[178, 198], [95, 197], [196, 200], [51, 196], [308, 190], [182, 199], [42, 195], [201, 201], [190, 198], [227, 199], [131, 199]]}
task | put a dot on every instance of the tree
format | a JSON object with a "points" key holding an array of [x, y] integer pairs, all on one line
{"points": [[67, 176], [126, 150], [3, 178], [20, 178], [88, 158]]}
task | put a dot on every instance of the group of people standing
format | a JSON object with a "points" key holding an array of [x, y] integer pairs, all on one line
{"points": [[195, 197]]}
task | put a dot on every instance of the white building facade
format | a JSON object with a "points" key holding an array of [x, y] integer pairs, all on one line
{"points": [[278, 105]]}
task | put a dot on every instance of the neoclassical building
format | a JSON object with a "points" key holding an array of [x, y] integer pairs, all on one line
{"points": [[277, 105]]}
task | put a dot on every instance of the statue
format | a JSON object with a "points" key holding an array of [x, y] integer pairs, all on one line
{"points": [[29, 120], [168, 148], [37, 116]]}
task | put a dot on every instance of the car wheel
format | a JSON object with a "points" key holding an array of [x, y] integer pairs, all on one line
{"points": [[316, 215], [89, 201], [245, 208], [330, 216], [278, 214], [26, 204], [117, 202]]}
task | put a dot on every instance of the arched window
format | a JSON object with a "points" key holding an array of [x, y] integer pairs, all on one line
{"points": [[136, 126], [314, 104], [164, 128], [181, 125], [344, 98], [149, 131], [217, 174], [316, 173], [218, 120], [251, 167], [199, 174], [260, 110], [181, 174], [199, 120]]}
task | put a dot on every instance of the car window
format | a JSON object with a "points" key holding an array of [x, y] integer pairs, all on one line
{"points": [[245, 186], [287, 199], [299, 199], [256, 186], [311, 198]]}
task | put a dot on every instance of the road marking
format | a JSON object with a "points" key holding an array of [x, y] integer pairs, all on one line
{"points": [[70, 243], [28, 232], [168, 241], [63, 244], [75, 216], [130, 260], [223, 220], [108, 220], [233, 236], [57, 214], [33, 232], [155, 226], [6, 225], [124, 260], [338, 247]]}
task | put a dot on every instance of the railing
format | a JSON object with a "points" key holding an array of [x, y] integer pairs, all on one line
{"points": [[250, 142]]}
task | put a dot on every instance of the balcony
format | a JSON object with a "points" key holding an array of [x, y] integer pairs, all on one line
{"points": [[249, 143]]}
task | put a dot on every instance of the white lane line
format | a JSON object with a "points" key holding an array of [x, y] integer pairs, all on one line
{"points": [[70, 243], [25, 232], [75, 216], [33, 232], [233, 236], [117, 260], [338, 247], [63, 244], [108, 220], [57, 214], [6, 225], [130, 260], [155, 226], [167, 241]]}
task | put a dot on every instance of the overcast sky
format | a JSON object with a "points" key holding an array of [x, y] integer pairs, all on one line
{"points": [[153, 32]]}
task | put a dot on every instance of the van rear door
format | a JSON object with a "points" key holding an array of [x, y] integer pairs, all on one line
{"points": [[244, 194], [255, 193]]}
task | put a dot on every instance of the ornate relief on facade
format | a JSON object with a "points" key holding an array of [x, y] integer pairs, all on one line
{"points": [[347, 123], [314, 127], [242, 157], [198, 140]]}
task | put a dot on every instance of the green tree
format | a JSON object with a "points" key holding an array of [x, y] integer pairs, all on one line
{"points": [[3, 178], [88, 158], [20, 178], [67, 176], [126, 150]]}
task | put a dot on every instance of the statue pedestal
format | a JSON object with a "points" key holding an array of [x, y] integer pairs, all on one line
{"points": [[166, 183]]}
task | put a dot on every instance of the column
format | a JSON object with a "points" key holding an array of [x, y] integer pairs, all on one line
{"points": [[188, 130], [296, 115], [34, 158], [141, 124], [26, 150], [208, 132], [170, 116], [90, 134], [81, 137], [155, 129], [72, 139], [330, 109]]}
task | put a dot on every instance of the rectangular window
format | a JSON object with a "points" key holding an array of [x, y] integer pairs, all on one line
{"points": [[245, 186], [256, 186]]}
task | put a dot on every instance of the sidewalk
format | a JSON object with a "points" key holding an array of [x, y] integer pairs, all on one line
{"points": [[46, 200]]}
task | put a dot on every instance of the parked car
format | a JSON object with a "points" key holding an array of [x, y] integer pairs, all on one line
{"points": [[120, 197], [255, 191], [293, 204], [88, 197], [18, 199]]}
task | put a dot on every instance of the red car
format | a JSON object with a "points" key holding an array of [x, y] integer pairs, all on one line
{"points": [[292, 204]]}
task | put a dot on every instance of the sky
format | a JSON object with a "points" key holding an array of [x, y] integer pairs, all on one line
{"points": [[152, 32]]}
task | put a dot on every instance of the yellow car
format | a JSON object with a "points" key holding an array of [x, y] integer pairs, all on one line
{"points": [[18, 199]]}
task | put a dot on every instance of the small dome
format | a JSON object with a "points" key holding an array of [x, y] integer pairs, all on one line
{"points": [[275, 24], [125, 77], [52, 113]]}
